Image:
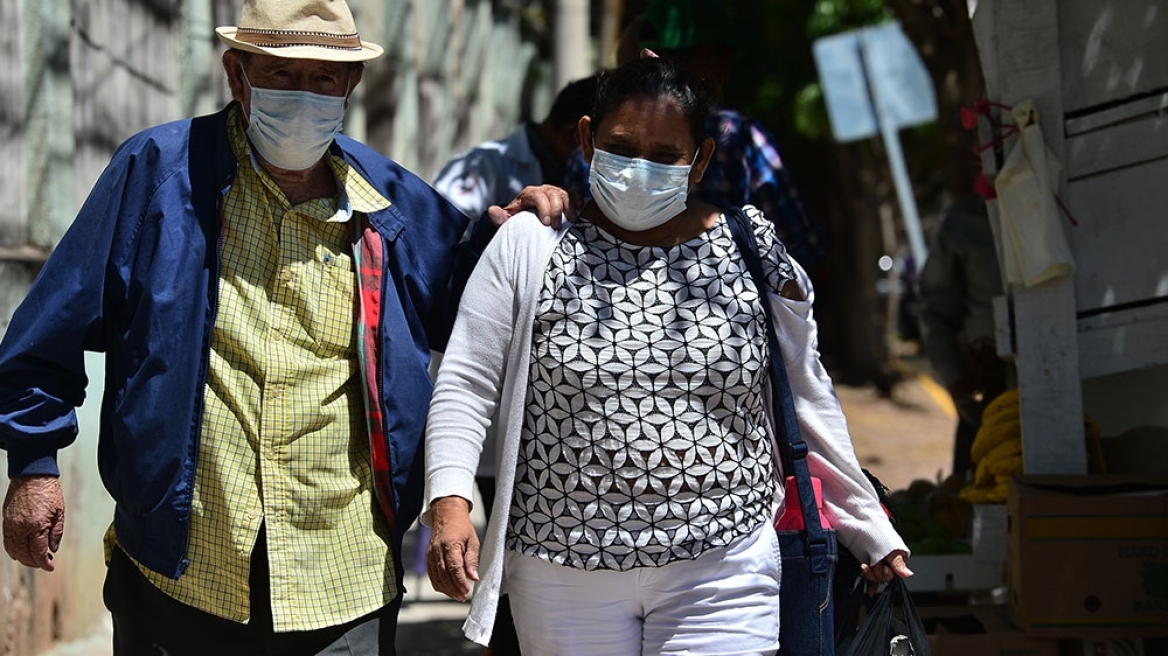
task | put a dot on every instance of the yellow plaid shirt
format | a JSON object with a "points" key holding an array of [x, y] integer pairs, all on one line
{"points": [[284, 441]]}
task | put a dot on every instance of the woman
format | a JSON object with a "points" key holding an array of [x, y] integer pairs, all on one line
{"points": [[622, 362]]}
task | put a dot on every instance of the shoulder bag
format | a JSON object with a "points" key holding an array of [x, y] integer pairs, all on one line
{"points": [[809, 554]]}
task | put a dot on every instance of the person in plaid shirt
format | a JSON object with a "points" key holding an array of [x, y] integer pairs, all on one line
{"points": [[266, 293]]}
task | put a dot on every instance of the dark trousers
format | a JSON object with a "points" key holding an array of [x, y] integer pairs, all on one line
{"points": [[147, 622]]}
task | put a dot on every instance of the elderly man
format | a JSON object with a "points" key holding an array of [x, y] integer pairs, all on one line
{"points": [[267, 293]]}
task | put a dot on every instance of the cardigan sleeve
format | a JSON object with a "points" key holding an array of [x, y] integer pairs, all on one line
{"points": [[850, 501], [471, 378]]}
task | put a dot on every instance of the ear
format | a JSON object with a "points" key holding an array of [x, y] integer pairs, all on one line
{"points": [[586, 145], [233, 67], [702, 160]]}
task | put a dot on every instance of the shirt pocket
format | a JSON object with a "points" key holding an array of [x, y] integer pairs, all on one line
{"points": [[332, 327]]}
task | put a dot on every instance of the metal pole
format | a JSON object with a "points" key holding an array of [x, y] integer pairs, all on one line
{"points": [[889, 134]]}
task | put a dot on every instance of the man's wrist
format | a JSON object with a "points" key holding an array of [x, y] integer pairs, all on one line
{"points": [[450, 503]]}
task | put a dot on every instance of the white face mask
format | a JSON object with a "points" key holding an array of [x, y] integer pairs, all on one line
{"points": [[293, 129], [637, 194]]}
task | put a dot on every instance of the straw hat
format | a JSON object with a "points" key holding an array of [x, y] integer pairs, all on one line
{"points": [[299, 29]]}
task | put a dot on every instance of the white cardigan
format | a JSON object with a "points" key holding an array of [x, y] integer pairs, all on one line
{"points": [[483, 381]]}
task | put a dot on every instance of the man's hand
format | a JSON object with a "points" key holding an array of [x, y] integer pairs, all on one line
{"points": [[34, 520], [894, 564], [452, 559], [548, 202]]}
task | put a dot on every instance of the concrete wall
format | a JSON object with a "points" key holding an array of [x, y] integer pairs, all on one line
{"points": [[77, 78]]}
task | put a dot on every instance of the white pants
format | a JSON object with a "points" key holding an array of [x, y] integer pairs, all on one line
{"points": [[725, 602]]}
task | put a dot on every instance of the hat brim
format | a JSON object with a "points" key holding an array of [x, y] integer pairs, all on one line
{"points": [[367, 51]]}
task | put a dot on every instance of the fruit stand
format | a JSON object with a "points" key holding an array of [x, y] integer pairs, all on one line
{"points": [[1087, 81]]}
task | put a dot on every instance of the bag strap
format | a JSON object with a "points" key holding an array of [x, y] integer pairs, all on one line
{"points": [[792, 448]]}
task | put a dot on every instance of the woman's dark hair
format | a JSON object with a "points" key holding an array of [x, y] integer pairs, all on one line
{"points": [[652, 77]]}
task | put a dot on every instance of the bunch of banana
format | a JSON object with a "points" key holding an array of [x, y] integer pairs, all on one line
{"points": [[996, 450]]}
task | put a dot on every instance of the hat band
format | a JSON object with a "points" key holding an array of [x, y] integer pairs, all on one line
{"points": [[287, 38]]}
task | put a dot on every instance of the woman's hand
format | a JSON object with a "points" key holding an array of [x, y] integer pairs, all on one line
{"points": [[452, 559], [895, 563]]}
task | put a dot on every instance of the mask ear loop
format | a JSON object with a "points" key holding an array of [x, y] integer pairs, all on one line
{"points": [[250, 88], [690, 185]]}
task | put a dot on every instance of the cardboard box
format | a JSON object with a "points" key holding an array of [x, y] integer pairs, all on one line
{"points": [[1088, 555], [980, 631]]}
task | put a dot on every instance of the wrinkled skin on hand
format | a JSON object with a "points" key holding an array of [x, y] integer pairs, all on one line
{"points": [[549, 202], [452, 558], [34, 520]]}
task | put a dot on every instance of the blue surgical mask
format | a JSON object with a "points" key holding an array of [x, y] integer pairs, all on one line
{"points": [[637, 194], [293, 129]]}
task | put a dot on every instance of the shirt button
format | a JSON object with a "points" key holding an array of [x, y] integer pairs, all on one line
{"points": [[277, 335]]}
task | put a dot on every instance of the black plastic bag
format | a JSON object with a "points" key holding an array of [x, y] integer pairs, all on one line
{"points": [[892, 627], [850, 588]]}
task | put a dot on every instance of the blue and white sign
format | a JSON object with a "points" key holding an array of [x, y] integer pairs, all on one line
{"points": [[872, 71], [874, 82]]}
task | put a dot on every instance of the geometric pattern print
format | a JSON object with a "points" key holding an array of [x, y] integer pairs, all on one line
{"points": [[644, 439]]}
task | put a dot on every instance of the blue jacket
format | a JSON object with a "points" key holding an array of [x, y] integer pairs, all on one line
{"points": [[136, 277]]}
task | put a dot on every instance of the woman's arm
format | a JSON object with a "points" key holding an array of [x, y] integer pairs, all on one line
{"points": [[849, 498], [466, 394]]}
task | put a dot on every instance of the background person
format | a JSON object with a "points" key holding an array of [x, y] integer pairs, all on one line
{"points": [[957, 286], [623, 361], [494, 172]]}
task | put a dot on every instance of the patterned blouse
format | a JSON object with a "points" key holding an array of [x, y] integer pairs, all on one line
{"points": [[644, 439]]}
